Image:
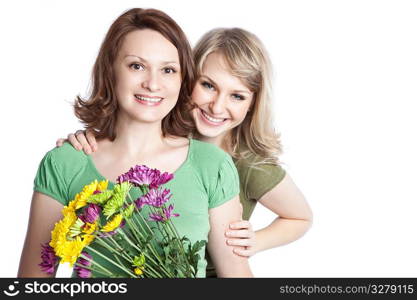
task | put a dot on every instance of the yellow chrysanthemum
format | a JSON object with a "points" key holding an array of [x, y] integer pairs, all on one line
{"points": [[102, 185], [61, 229], [88, 238], [138, 271], [113, 224], [88, 190], [89, 228], [69, 251]]}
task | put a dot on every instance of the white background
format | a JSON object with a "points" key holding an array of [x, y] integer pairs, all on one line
{"points": [[345, 94]]}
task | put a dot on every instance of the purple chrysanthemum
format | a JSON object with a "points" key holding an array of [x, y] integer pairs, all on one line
{"points": [[83, 272], [91, 213], [155, 197], [139, 175], [142, 175], [161, 179], [167, 214], [49, 259]]}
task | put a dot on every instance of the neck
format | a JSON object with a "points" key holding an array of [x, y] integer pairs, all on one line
{"points": [[135, 139]]}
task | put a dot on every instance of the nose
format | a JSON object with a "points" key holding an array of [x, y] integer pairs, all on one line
{"points": [[217, 104], [151, 81]]}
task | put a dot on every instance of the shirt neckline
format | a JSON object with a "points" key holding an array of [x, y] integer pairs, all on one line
{"points": [[185, 162]]}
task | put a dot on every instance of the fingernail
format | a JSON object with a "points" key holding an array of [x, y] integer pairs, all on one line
{"points": [[228, 233]]}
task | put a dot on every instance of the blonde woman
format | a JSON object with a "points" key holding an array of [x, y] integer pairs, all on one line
{"points": [[233, 110]]}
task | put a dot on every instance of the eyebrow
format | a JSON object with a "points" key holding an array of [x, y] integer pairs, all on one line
{"points": [[144, 60], [234, 91]]}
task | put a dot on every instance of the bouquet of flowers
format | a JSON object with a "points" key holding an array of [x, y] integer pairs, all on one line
{"points": [[135, 238]]}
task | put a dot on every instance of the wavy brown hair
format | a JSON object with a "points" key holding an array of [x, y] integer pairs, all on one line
{"points": [[99, 111]]}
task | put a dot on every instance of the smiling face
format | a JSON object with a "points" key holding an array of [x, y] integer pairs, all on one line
{"points": [[148, 76], [221, 98]]}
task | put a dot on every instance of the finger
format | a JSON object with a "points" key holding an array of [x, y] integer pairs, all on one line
{"points": [[243, 252], [241, 225], [80, 135], [60, 142], [239, 242], [74, 142], [240, 233], [91, 139]]}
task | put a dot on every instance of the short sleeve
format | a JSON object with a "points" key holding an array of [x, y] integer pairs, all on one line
{"points": [[262, 178], [226, 185], [49, 179]]}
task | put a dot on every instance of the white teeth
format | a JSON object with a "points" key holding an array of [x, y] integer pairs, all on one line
{"points": [[148, 99], [215, 120]]}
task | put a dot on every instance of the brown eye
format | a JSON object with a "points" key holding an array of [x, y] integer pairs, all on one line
{"points": [[169, 71], [136, 66]]}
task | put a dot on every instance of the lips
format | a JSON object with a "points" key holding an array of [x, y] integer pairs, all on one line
{"points": [[211, 120], [148, 100]]}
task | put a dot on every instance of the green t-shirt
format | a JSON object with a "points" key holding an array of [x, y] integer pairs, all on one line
{"points": [[256, 179], [207, 179]]}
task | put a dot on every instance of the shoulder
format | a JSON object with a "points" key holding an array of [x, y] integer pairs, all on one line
{"points": [[258, 177], [255, 164], [66, 159], [206, 152], [210, 161]]}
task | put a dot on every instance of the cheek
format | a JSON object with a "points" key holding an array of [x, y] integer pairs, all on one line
{"points": [[174, 86], [240, 114], [200, 96]]}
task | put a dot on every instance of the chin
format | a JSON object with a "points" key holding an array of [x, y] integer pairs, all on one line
{"points": [[209, 133]]}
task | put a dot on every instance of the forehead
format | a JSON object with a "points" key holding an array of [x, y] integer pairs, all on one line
{"points": [[216, 67], [150, 45]]}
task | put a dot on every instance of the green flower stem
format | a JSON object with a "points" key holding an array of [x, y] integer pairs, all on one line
{"points": [[93, 269], [120, 251], [133, 245], [94, 264], [129, 259], [149, 246], [170, 231], [181, 246], [112, 262]]}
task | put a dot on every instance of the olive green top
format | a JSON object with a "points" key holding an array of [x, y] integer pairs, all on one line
{"points": [[256, 179]]}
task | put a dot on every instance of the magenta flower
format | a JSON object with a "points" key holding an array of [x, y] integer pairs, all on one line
{"points": [[91, 213], [155, 197], [167, 214], [142, 175], [139, 175], [162, 179], [83, 272], [49, 259]]}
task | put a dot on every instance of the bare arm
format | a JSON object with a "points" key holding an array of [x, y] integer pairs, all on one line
{"points": [[44, 213], [227, 263], [295, 216]]}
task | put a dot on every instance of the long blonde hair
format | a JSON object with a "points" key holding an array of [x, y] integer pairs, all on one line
{"points": [[248, 60]]}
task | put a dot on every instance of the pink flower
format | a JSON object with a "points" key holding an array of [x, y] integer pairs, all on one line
{"points": [[142, 175], [155, 197], [167, 214], [91, 213], [83, 272], [49, 259]]}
